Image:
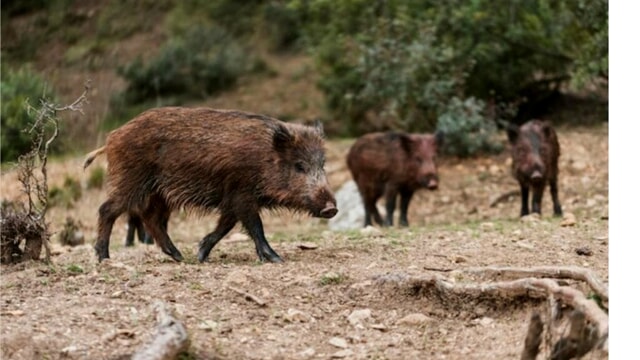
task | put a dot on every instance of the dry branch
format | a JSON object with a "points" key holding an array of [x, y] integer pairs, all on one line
{"points": [[556, 272], [504, 197], [170, 340], [528, 287], [248, 296]]}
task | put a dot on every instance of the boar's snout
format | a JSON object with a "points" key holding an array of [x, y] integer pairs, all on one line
{"points": [[536, 176], [329, 211], [433, 184]]}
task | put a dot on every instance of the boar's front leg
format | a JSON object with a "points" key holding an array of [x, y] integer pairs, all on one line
{"points": [[405, 198], [390, 195], [524, 194], [227, 221], [553, 187], [536, 200], [253, 224]]}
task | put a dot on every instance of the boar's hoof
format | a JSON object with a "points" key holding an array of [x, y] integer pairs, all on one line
{"points": [[273, 257]]}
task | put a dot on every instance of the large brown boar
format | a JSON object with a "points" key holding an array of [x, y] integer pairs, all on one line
{"points": [[203, 159], [392, 164], [535, 151]]}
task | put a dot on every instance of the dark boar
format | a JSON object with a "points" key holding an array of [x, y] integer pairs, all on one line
{"points": [[535, 151], [392, 164], [204, 159]]}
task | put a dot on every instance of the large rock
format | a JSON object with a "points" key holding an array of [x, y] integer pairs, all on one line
{"points": [[351, 214]]}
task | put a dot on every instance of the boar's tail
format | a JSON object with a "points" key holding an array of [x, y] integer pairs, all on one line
{"points": [[91, 156]]}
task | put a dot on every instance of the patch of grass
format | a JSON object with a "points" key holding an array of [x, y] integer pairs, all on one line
{"points": [[332, 278], [75, 269], [196, 286], [67, 194], [96, 178]]}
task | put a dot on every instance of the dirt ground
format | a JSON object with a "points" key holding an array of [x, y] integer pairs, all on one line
{"points": [[75, 308]]}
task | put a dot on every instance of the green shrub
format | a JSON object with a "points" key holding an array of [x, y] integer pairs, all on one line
{"points": [[202, 62], [67, 195], [17, 87], [466, 130], [96, 178]]}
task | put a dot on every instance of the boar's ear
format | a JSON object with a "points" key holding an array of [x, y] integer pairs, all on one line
{"points": [[406, 142], [317, 124], [546, 129], [282, 138], [512, 132], [439, 136]]}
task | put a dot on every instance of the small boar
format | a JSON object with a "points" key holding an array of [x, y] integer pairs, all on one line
{"points": [[392, 164], [204, 159], [535, 151]]}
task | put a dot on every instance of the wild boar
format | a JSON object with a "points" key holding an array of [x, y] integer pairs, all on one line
{"points": [[535, 151], [392, 164], [203, 159]]}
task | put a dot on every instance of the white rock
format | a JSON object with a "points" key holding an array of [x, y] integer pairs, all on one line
{"points": [[414, 319], [294, 315], [342, 354], [358, 317], [338, 342], [371, 231]]}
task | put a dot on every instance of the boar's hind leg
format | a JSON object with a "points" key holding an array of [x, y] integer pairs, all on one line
{"points": [[553, 185], [155, 221], [107, 215], [405, 198], [524, 194], [225, 224], [253, 224], [132, 226]]}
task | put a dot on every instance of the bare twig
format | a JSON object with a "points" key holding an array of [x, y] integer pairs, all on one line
{"points": [[556, 272], [248, 296]]}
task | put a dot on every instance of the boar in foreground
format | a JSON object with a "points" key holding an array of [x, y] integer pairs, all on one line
{"points": [[392, 164], [204, 159], [535, 151]]}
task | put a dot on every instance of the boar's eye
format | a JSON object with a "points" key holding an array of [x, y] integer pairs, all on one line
{"points": [[300, 167]]}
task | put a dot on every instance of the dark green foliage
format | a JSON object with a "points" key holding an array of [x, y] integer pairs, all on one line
{"points": [[202, 62], [96, 178], [67, 195], [466, 130], [18, 86]]}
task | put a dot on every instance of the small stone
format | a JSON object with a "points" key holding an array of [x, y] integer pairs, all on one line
{"points": [[342, 354], [568, 220], [237, 278], [294, 315], [414, 319], [525, 245], [371, 231], [117, 294], [338, 342], [208, 325], [531, 218], [307, 246], [584, 251], [307, 353], [459, 259], [358, 317], [380, 327], [487, 226]]}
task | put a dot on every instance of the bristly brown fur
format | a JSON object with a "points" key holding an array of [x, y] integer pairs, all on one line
{"points": [[203, 159]]}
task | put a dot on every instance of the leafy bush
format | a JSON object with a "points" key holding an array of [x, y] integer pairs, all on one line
{"points": [[466, 130], [17, 87], [96, 178], [67, 195], [396, 77], [203, 61]]}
